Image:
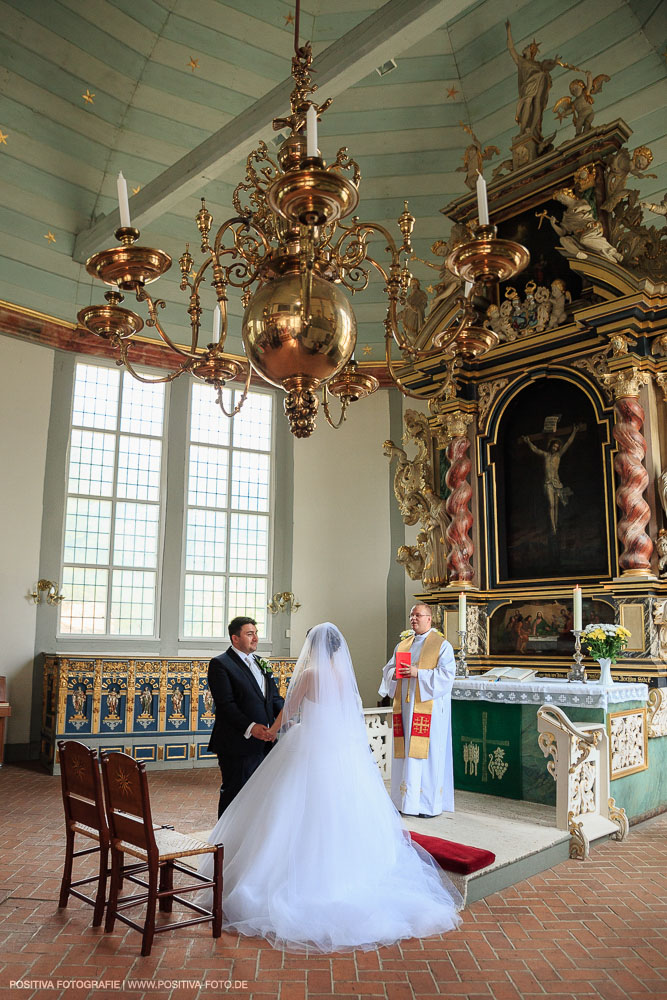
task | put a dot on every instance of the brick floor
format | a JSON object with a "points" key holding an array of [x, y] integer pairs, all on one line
{"points": [[580, 931]]}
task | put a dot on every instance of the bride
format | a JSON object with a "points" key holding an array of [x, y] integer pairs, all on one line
{"points": [[315, 853]]}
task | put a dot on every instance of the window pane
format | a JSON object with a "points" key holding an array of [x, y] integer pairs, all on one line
{"points": [[84, 611], [248, 597], [136, 534], [204, 606], [95, 397], [142, 409], [132, 603], [139, 461], [250, 481], [205, 545], [91, 461], [209, 424], [252, 426], [208, 476], [87, 530], [249, 544]]}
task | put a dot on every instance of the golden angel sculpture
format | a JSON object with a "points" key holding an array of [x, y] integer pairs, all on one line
{"points": [[580, 104]]}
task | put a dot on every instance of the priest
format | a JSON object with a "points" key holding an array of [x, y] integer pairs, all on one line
{"points": [[422, 779]]}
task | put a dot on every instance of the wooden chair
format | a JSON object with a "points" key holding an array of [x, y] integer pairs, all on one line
{"points": [[85, 815], [132, 832]]}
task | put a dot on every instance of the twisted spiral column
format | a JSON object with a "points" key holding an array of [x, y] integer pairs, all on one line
{"points": [[459, 544], [635, 556]]}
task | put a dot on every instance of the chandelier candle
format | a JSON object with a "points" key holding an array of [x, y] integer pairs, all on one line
{"points": [[576, 597], [216, 324], [123, 203], [311, 132], [468, 288], [482, 204]]}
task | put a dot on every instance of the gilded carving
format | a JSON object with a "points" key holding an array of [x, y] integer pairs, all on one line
{"points": [[618, 816], [549, 747], [596, 365], [579, 844], [628, 742], [661, 380], [486, 395], [452, 424], [627, 382]]}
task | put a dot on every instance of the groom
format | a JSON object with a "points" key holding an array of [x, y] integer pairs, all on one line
{"points": [[246, 703]]}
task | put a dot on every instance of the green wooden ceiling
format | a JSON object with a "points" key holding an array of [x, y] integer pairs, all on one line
{"points": [[91, 87]]}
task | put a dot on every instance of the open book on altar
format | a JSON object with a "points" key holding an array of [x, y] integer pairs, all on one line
{"points": [[509, 674]]}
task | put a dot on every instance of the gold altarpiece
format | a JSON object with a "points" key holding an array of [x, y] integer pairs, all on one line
{"points": [[539, 467]]}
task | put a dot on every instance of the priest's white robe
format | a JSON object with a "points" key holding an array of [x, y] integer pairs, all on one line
{"points": [[425, 787]]}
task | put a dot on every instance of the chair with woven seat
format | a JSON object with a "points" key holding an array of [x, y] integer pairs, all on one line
{"points": [[132, 833], [85, 815]]}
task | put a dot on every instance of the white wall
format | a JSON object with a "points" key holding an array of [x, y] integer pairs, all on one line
{"points": [[342, 547], [26, 373]]}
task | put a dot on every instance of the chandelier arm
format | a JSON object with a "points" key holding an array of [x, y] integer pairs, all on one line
{"points": [[150, 381], [399, 384], [244, 396], [244, 221], [344, 403], [143, 296]]}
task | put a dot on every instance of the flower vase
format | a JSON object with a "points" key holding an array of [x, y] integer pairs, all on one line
{"points": [[605, 671]]}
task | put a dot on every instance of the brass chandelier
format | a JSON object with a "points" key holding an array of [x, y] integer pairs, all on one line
{"points": [[288, 239]]}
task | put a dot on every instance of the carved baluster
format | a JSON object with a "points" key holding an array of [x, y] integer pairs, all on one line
{"points": [[635, 557], [460, 546]]}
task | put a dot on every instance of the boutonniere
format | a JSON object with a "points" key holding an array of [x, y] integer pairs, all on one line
{"points": [[264, 666], [407, 633]]}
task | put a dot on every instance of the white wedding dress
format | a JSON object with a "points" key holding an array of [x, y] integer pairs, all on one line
{"points": [[314, 851]]}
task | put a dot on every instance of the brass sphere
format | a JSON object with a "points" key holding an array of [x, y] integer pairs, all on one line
{"points": [[280, 345]]}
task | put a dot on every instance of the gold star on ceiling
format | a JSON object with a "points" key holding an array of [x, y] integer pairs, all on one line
{"points": [[50, 237], [3, 137], [137, 189], [88, 97], [367, 349], [289, 19], [452, 92], [430, 289], [193, 64]]}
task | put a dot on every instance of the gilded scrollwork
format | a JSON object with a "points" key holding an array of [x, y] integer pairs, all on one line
{"points": [[627, 382], [596, 366], [618, 816], [549, 747], [579, 844], [486, 395]]}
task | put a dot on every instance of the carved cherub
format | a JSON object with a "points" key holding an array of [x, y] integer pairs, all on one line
{"points": [[621, 166], [558, 300], [658, 209], [579, 230], [580, 105], [413, 557], [473, 158], [661, 546]]}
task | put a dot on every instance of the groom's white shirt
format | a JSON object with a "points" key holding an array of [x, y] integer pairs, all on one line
{"points": [[259, 677]]}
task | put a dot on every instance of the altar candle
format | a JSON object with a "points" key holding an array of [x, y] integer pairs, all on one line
{"points": [[123, 203], [462, 612], [576, 596], [482, 205], [216, 324], [311, 132]]}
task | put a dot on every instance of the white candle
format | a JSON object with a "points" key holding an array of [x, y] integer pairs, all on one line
{"points": [[123, 203], [576, 597], [216, 324], [468, 288], [311, 132], [462, 612], [482, 205]]}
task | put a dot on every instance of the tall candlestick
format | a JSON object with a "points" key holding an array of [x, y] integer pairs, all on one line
{"points": [[216, 324], [462, 612], [576, 597], [468, 289], [123, 203], [311, 132], [482, 205]]}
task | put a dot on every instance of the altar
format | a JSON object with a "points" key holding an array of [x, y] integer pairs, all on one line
{"points": [[495, 738]]}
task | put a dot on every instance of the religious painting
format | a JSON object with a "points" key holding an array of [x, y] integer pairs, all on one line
{"points": [[550, 486], [544, 627]]}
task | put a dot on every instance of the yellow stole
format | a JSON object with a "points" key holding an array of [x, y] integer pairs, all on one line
{"points": [[420, 732]]}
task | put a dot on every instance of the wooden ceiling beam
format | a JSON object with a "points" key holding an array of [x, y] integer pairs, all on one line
{"points": [[390, 30]]}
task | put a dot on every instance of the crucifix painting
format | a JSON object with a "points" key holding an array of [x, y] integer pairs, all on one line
{"points": [[551, 483]]}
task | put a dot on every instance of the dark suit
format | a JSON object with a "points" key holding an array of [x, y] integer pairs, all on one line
{"points": [[238, 703]]}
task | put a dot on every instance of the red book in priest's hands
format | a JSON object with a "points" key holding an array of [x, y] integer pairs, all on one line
{"points": [[403, 664]]}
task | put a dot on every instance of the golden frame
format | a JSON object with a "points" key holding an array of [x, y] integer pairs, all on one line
{"points": [[613, 775]]}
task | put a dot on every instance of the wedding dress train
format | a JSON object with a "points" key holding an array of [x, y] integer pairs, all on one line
{"points": [[315, 853]]}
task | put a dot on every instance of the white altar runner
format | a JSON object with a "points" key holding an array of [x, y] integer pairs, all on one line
{"points": [[543, 690]]}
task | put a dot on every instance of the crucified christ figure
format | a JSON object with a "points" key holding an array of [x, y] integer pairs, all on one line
{"points": [[556, 493]]}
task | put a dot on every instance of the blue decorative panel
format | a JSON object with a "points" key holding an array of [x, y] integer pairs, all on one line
{"points": [[146, 752], [203, 752], [176, 751]]}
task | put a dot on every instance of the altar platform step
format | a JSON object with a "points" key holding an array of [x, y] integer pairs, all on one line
{"points": [[522, 835]]}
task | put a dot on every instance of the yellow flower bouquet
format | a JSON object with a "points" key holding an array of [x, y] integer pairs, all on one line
{"points": [[604, 641]]}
